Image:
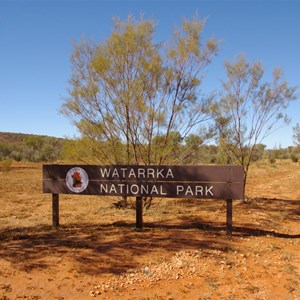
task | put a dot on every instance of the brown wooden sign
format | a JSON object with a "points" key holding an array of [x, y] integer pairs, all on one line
{"points": [[212, 182]]}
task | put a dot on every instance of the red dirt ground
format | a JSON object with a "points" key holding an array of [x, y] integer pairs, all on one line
{"points": [[182, 253]]}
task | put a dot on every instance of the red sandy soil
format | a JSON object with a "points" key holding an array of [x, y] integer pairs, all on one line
{"points": [[182, 253]]}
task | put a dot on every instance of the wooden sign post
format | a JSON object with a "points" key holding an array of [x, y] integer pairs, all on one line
{"points": [[202, 182], [229, 217], [55, 210], [139, 213]]}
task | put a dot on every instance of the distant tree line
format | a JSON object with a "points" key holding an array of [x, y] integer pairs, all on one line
{"points": [[290, 152], [32, 148], [190, 150]]}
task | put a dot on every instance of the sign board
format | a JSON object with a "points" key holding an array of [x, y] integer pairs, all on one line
{"points": [[212, 182]]}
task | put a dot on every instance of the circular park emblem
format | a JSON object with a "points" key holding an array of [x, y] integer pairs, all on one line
{"points": [[77, 180]]}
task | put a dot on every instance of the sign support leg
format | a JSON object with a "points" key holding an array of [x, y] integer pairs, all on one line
{"points": [[229, 217], [55, 210], [139, 213]]}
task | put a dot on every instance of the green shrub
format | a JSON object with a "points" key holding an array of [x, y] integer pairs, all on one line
{"points": [[6, 165], [294, 158], [272, 160]]}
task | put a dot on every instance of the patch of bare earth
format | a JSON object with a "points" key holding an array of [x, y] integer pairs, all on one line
{"points": [[182, 253]]}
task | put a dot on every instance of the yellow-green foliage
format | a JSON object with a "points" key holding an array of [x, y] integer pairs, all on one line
{"points": [[129, 95], [6, 165]]}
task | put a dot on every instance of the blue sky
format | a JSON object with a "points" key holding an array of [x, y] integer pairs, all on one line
{"points": [[36, 43]]}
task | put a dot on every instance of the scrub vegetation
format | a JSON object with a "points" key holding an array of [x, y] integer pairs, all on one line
{"points": [[29, 147]]}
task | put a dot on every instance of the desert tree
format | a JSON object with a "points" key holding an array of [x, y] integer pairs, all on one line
{"points": [[134, 100], [250, 109], [296, 135]]}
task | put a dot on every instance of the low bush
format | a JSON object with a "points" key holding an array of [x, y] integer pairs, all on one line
{"points": [[6, 165]]}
